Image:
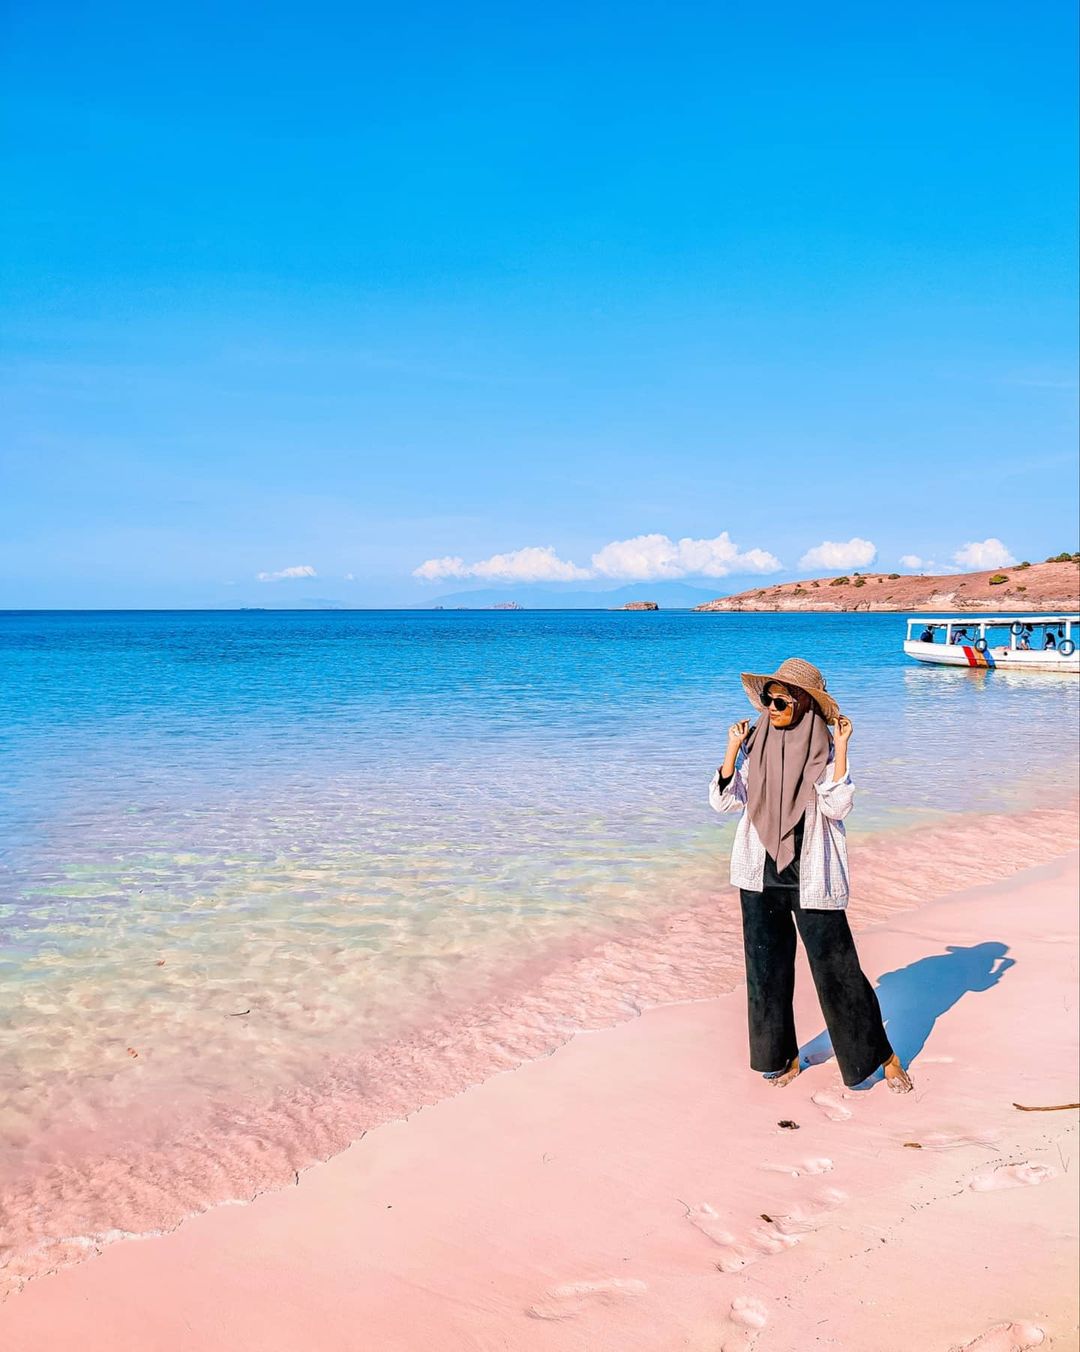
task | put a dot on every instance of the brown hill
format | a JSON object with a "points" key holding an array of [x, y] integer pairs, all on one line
{"points": [[1042, 588]]}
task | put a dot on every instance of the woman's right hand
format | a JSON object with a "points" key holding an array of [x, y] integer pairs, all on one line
{"points": [[738, 732]]}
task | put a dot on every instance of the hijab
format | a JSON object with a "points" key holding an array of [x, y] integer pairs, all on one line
{"points": [[784, 766]]}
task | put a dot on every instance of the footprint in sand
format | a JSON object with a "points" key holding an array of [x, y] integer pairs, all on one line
{"points": [[1010, 1176], [573, 1298], [943, 1140], [767, 1239], [1015, 1336], [815, 1166], [803, 1220], [830, 1104], [707, 1220], [733, 1257], [778, 1233], [750, 1316]]}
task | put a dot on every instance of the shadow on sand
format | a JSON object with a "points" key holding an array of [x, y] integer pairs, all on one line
{"points": [[913, 998]]}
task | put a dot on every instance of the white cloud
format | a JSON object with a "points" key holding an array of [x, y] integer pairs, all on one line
{"points": [[831, 554], [647, 557], [910, 561], [299, 570], [641, 559], [434, 570], [982, 554], [350, 577], [532, 564]]}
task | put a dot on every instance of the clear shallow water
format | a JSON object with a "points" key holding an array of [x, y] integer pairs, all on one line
{"points": [[250, 860]]}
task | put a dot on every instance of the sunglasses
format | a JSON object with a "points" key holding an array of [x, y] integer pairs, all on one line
{"points": [[777, 702]]}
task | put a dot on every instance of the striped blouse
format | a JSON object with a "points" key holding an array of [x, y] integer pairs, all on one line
{"points": [[823, 861]]}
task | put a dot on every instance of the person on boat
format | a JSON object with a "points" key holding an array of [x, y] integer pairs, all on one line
{"points": [[789, 778], [927, 635], [1025, 643], [1049, 641]]}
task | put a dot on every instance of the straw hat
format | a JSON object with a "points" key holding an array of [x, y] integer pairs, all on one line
{"points": [[794, 671]]}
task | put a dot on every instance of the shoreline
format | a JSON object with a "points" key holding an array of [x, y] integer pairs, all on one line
{"points": [[608, 1195], [686, 954], [582, 984]]}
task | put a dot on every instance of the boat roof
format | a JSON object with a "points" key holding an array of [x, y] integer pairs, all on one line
{"points": [[976, 618]]}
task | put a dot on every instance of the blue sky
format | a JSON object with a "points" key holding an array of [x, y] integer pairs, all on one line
{"points": [[335, 290]]}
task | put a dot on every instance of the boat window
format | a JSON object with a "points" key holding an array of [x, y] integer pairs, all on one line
{"points": [[998, 635]]}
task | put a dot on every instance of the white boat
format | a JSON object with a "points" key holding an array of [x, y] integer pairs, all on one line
{"points": [[1014, 643]]}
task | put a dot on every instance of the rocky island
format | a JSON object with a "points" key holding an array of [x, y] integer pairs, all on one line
{"points": [[641, 605], [1042, 588]]}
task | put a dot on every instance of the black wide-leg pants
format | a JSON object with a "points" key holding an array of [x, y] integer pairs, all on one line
{"points": [[847, 999]]}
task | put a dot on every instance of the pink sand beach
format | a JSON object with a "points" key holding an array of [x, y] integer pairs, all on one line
{"points": [[636, 1191]]}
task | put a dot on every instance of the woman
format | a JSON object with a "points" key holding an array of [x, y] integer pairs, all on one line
{"points": [[790, 780]]}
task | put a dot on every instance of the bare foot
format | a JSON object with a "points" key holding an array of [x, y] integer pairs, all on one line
{"points": [[896, 1077], [778, 1078]]}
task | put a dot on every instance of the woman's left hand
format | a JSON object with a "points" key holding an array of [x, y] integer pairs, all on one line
{"points": [[843, 729]]}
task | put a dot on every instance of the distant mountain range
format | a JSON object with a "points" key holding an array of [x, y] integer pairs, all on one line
{"points": [[1051, 587], [298, 603], [1041, 586], [669, 595]]}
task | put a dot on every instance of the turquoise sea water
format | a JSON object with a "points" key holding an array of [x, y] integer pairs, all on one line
{"points": [[239, 845]]}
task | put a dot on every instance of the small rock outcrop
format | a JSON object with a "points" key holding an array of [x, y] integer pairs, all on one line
{"points": [[641, 605]]}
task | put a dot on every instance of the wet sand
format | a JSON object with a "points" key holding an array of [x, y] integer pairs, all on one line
{"points": [[634, 1190]]}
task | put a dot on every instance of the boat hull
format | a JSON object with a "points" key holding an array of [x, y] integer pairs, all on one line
{"points": [[1007, 659]]}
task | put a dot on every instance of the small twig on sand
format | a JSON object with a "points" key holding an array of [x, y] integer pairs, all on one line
{"points": [[1050, 1108]]}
